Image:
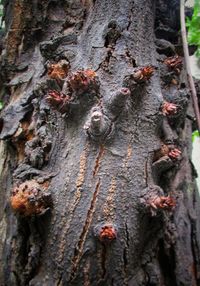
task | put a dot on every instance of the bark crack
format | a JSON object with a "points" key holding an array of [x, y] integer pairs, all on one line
{"points": [[79, 248], [98, 160], [77, 197], [130, 19], [105, 63], [127, 235], [103, 261], [146, 172], [125, 252]]}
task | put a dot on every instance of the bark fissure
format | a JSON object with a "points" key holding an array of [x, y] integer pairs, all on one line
{"points": [[103, 262], [98, 160], [75, 202], [79, 247]]}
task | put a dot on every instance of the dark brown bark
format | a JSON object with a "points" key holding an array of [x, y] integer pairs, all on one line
{"points": [[101, 227]]}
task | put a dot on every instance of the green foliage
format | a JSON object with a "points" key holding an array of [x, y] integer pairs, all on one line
{"points": [[195, 134], [194, 28], [1, 105], [1, 8]]}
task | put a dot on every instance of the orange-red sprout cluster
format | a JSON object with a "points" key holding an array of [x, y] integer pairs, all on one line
{"points": [[161, 202], [58, 100], [174, 63], [59, 70], [169, 108], [29, 199], [83, 80], [174, 153], [107, 233], [143, 74]]}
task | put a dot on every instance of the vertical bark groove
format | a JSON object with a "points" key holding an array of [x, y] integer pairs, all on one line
{"points": [[79, 247]]}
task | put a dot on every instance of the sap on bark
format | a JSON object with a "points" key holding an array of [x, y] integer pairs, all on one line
{"points": [[30, 198]]}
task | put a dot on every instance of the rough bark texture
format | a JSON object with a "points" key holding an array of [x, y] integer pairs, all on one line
{"points": [[97, 180]]}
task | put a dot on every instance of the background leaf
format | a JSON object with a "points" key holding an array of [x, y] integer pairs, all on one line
{"points": [[1, 105], [194, 28]]}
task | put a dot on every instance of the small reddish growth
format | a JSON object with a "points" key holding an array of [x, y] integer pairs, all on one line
{"points": [[169, 108], [125, 91], [174, 63], [90, 73], [166, 203], [143, 74], [29, 199], [167, 150], [59, 70], [58, 100], [174, 153], [107, 233], [83, 80]]}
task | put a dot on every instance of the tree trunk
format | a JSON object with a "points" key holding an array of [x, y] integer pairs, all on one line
{"points": [[97, 186]]}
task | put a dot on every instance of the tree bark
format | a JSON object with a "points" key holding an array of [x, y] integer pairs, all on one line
{"points": [[105, 223]]}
